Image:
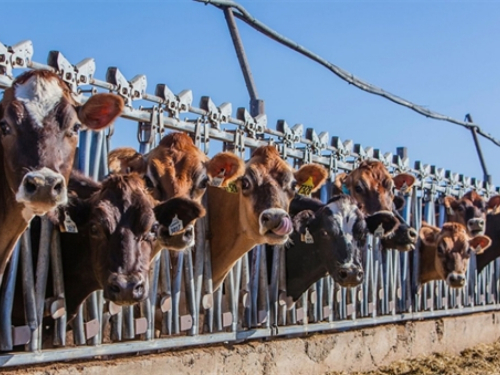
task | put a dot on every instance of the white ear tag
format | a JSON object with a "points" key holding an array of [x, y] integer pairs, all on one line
{"points": [[176, 226], [450, 211], [68, 225], [307, 237], [219, 179], [379, 232], [404, 187]]}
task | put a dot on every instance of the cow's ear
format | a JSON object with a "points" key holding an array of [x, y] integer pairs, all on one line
{"points": [[123, 160], [340, 180], [100, 110], [311, 172], [225, 165], [403, 181], [77, 211], [382, 219], [429, 235], [494, 203], [451, 204], [479, 243], [399, 202], [302, 220], [185, 209]]}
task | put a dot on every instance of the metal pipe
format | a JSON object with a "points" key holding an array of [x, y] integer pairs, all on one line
{"points": [[30, 308], [58, 285], [7, 301]]}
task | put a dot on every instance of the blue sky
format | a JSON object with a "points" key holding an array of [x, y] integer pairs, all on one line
{"points": [[443, 55]]}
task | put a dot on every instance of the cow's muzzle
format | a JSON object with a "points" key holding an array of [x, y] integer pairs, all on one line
{"points": [[455, 280], [42, 190], [126, 289], [275, 222], [476, 226], [349, 275]]}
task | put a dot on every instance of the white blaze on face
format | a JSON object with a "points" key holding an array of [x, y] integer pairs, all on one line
{"points": [[39, 96], [344, 213]]}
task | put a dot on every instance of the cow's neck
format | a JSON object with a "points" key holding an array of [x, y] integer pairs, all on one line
{"points": [[428, 264], [12, 223], [303, 267], [78, 274], [229, 238], [492, 252]]}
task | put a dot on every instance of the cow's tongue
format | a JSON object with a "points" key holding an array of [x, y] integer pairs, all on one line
{"points": [[284, 228]]}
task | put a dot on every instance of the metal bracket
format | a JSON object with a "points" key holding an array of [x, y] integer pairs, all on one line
{"points": [[253, 125], [175, 104], [290, 137], [129, 90], [146, 131], [363, 153], [17, 56], [319, 142], [216, 115], [344, 149]]}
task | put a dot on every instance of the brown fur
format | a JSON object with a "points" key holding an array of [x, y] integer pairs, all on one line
{"points": [[471, 206], [452, 259], [268, 183], [29, 147]]}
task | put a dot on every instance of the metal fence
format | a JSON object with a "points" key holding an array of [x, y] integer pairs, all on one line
{"points": [[182, 309]]}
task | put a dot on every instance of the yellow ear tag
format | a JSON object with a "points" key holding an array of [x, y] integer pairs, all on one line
{"points": [[306, 188], [232, 188]]}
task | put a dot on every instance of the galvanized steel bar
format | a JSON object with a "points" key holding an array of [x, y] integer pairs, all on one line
{"points": [[7, 301]]}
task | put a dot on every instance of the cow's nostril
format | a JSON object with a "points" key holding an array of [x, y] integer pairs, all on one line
{"points": [[58, 188], [360, 275], [114, 288], [265, 218], [30, 187], [139, 289], [343, 274], [412, 233]]}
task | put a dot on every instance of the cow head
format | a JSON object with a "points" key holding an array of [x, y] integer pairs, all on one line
{"points": [[338, 233], [120, 226], [372, 186], [404, 237], [266, 189], [177, 168], [451, 247], [470, 211], [39, 124]]}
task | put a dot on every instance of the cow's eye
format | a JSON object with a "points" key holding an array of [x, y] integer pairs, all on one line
{"points": [[441, 249], [149, 183], [155, 227], [203, 183], [293, 184], [94, 230], [4, 127], [358, 189], [324, 233], [460, 208], [245, 183]]}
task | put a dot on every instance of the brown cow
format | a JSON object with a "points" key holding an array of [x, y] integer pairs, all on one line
{"points": [[255, 210], [177, 168], [470, 211], [445, 253], [39, 122], [372, 187]]}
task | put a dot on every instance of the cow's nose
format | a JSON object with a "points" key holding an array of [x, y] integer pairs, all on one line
{"points": [[412, 234], [275, 220], [350, 276], [476, 224], [126, 290], [44, 186], [188, 234], [456, 280]]}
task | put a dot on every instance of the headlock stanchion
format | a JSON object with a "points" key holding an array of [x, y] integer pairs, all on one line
{"points": [[183, 309]]}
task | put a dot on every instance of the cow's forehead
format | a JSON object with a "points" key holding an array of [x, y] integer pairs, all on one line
{"points": [[345, 212], [40, 95]]}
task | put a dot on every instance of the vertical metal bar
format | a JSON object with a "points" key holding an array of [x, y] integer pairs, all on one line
{"points": [[96, 153], [150, 303], [190, 291], [128, 322], [166, 291], [263, 308], [78, 332], [58, 285], [93, 314], [29, 291], [486, 175], [198, 267], [176, 288], [42, 272], [256, 105], [208, 288], [7, 301], [84, 151]]}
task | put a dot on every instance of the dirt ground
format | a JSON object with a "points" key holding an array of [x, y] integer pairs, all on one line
{"points": [[480, 360]]}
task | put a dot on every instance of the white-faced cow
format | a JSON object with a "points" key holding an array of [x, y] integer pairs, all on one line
{"points": [[39, 124], [372, 187], [445, 253], [328, 239], [177, 168], [256, 210]]}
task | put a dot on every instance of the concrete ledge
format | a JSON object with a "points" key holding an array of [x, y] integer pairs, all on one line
{"points": [[359, 350]]}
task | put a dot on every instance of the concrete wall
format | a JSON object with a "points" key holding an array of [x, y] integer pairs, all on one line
{"points": [[359, 350]]}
